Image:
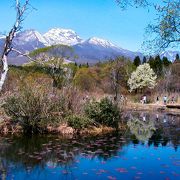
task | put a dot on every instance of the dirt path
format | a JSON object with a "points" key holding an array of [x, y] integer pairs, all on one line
{"points": [[151, 107]]}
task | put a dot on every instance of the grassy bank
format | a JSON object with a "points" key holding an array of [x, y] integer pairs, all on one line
{"points": [[37, 109]]}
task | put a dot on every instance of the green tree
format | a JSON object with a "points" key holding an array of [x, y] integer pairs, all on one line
{"points": [[151, 62], [158, 65], [87, 64], [150, 59], [166, 62], [177, 57], [144, 60], [143, 77], [60, 51], [137, 61]]}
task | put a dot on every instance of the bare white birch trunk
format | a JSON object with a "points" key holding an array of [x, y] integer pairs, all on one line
{"points": [[20, 10], [4, 71]]}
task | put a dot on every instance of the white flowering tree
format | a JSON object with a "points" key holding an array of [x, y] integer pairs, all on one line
{"points": [[143, 77]]}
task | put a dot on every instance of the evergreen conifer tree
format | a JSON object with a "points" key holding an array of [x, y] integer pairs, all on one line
{"points": [[137, 61]]}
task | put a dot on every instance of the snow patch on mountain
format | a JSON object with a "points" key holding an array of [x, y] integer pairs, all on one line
{"points": [[28, 40], [99, 42], [29, 36], [62, 36], [171, 55]]}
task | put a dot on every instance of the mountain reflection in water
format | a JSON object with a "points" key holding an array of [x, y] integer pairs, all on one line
{"points": [[148, 149]]}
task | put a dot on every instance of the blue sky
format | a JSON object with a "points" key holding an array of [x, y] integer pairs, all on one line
{"points": [[100, 18]]}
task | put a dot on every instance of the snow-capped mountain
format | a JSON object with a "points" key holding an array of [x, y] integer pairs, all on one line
{"points": [[99, 42], [96, 49], [29, 40], [25, 41], [91, 50], [169, 54], [62, 36], [29, 35]]}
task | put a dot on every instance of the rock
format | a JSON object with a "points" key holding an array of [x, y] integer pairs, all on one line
{"points": [[64, 129]]}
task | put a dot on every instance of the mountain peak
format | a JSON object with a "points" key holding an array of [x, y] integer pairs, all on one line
{"points": [[62, 36], [30, 35], [100, 42], [62, 30], [171, 55]]}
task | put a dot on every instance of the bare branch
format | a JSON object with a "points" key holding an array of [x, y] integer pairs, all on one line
{"points": [[16, 27], [23, 54], [165, 32], [135, 3], [20, 13]]}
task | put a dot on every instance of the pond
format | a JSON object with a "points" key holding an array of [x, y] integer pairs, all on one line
{"points": [[148, 149]]}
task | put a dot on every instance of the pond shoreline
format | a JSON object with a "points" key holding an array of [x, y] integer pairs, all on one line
{"points": [[8, 127]]}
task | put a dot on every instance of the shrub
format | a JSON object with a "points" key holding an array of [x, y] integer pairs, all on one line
{"points": [[32, 109], [78, 122], [103, 112]]}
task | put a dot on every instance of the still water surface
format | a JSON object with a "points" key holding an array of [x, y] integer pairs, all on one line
{"points": [[149, 149]]}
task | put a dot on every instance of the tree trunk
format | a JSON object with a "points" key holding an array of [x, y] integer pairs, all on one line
{"points": [[20, 11], [4, 71]]}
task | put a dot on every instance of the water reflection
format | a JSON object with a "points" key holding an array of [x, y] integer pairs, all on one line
{"points": [[157, 129], [143, 130], [50, 151], [43, 156]]}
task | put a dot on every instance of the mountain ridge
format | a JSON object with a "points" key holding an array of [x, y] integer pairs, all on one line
{"points": [[92, 50]]}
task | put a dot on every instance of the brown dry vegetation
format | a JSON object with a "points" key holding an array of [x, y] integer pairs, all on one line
{"points": [[85, 83]]}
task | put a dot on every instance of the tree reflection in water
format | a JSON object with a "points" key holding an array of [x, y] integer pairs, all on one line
{"points": [[51, 151], [21, 153], [157, 129], [142, 130]]}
